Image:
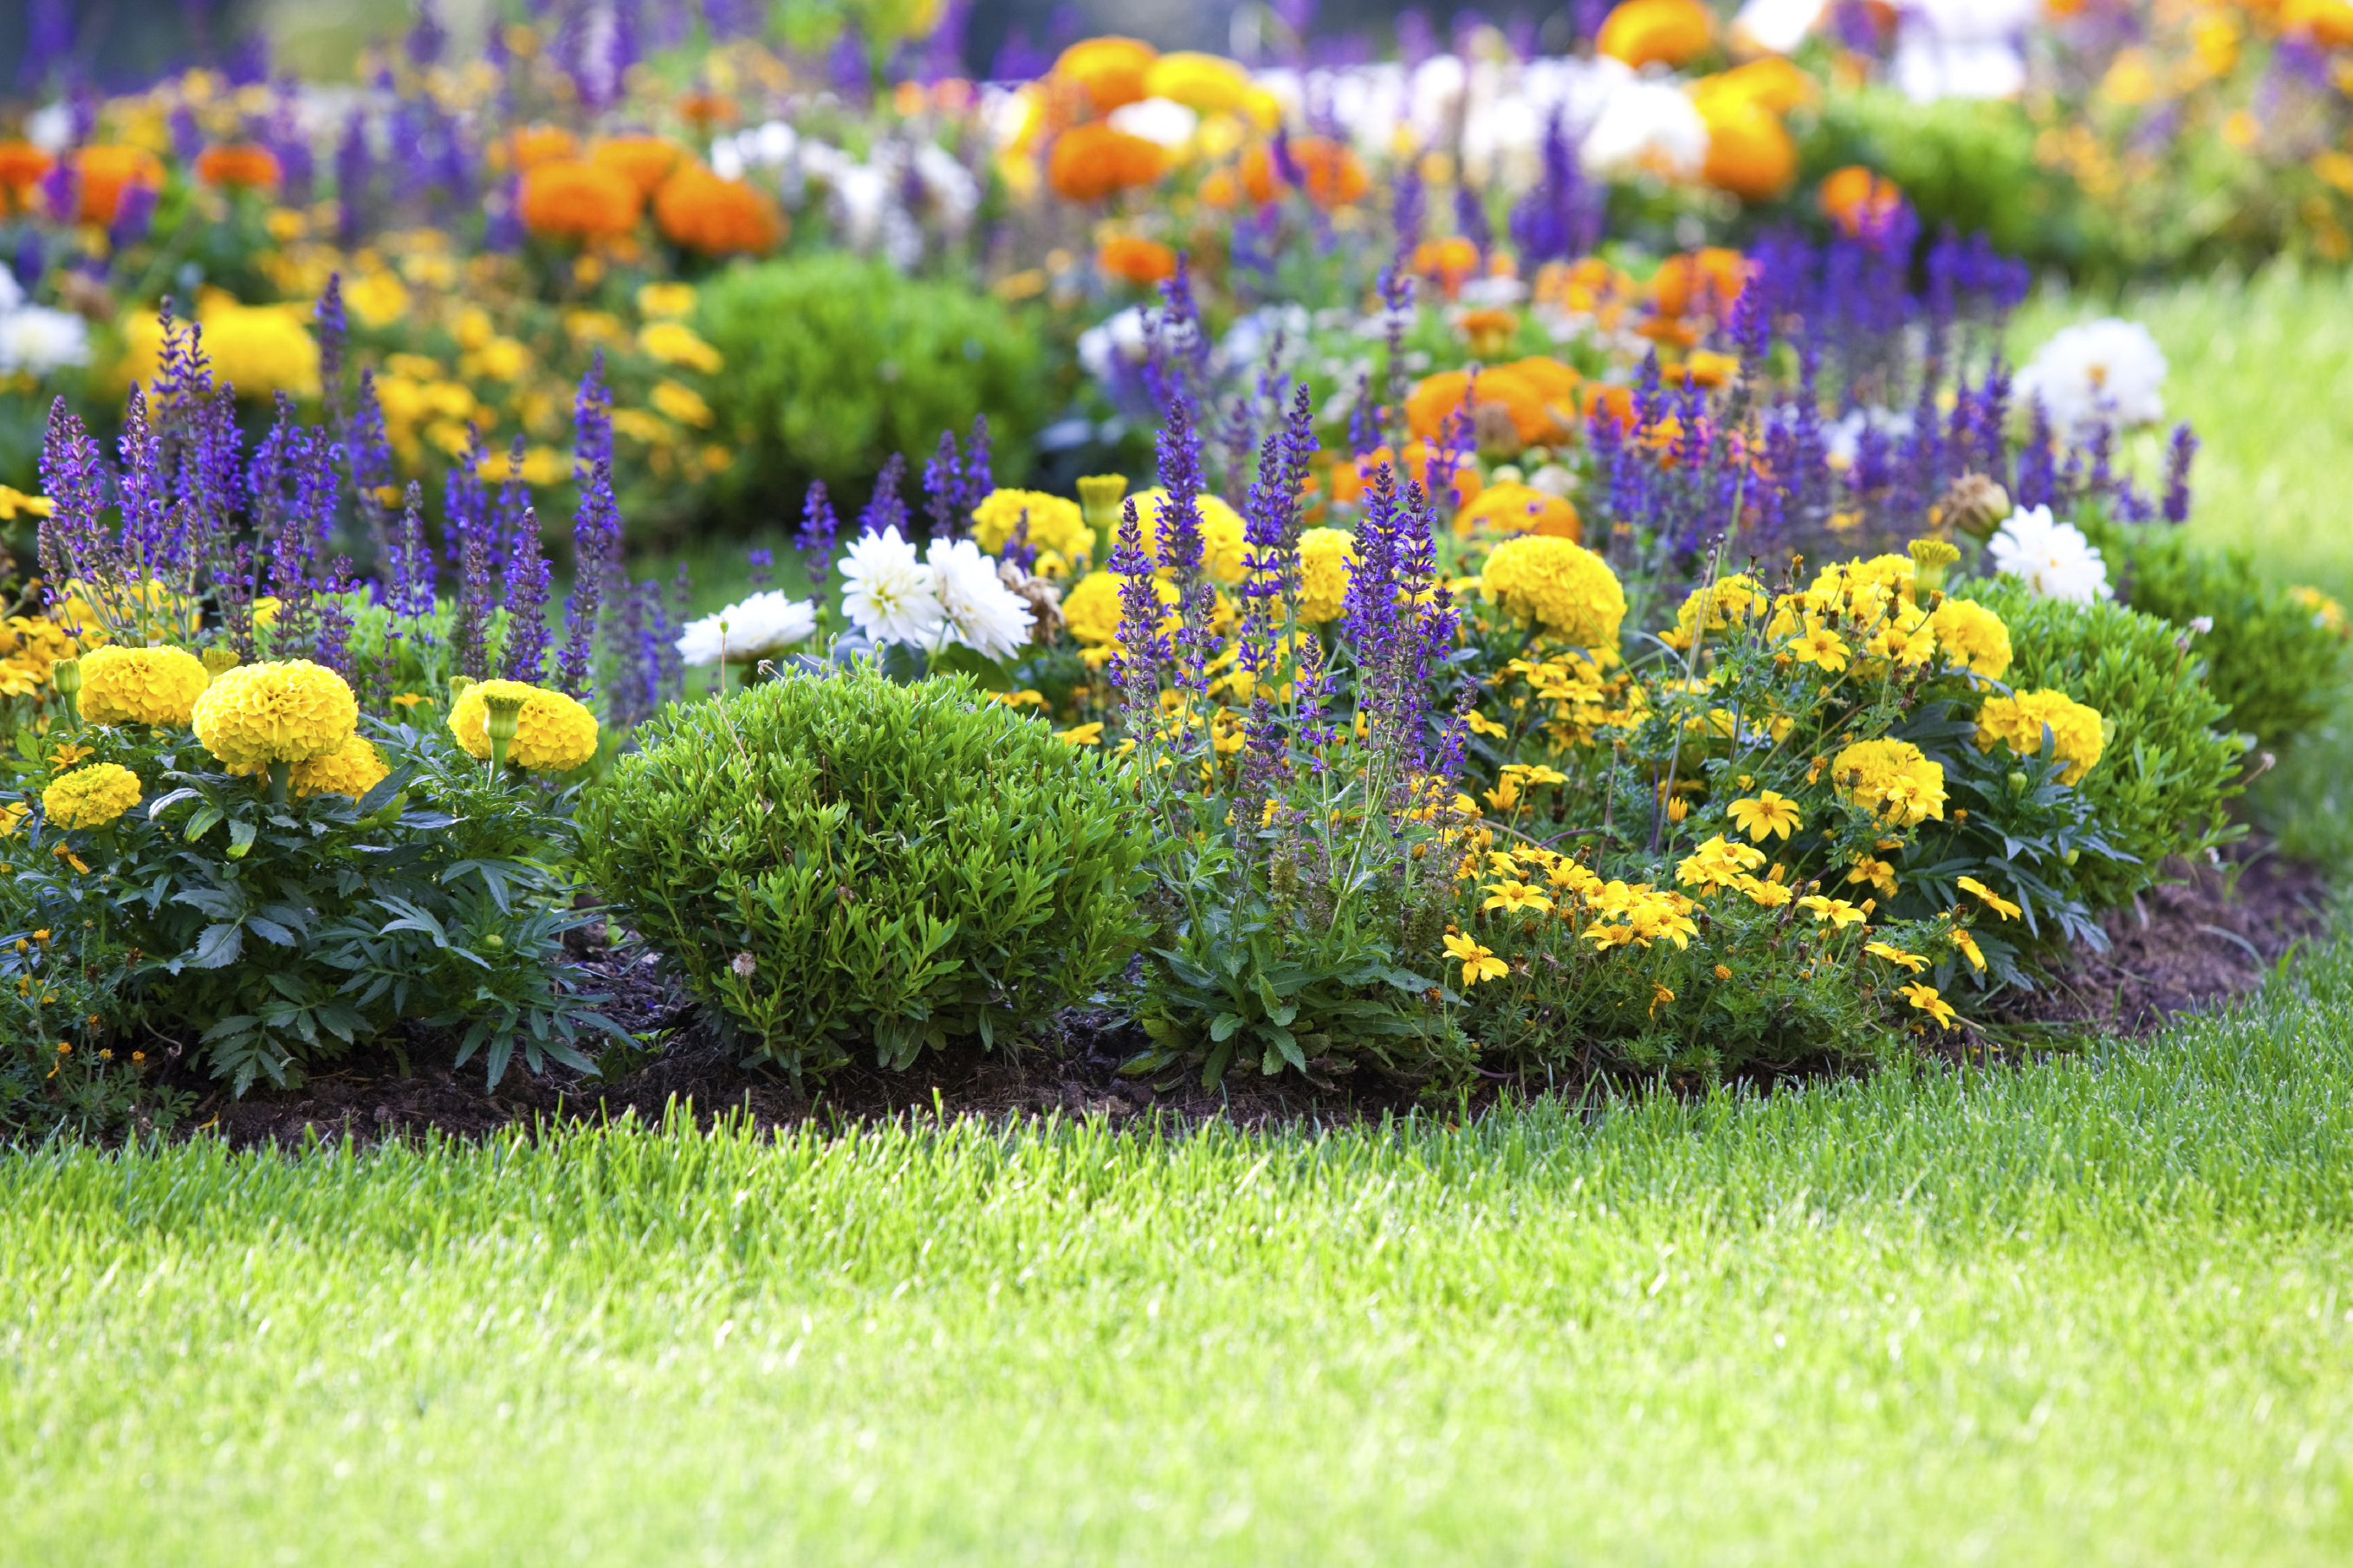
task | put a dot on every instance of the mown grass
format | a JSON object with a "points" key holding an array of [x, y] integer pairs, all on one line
{"points": [[2100, 1312]]}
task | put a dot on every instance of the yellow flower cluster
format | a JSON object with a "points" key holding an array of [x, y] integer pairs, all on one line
{"points": [[260, 350], [554, 733], [1222, 546], [1058, 528], [1092, 612], [1614, 913], [2019, 723], [1326, 556], [2326, 613], [1560, 587], [1890, 779], [29, 645], [285, 710], [1972, 636], [92, 796], [141, 685], [1728, 601], [1722, 864]]}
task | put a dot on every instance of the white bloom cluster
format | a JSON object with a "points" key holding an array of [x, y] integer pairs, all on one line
{"points": [[2052, 558], [760, 628], [879, 204], [2108, 372], [35, 339], [952, 595]]}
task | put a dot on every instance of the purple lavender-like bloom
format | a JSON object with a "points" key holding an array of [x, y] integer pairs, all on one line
{"points": [[1471, 221], [355, 166], [2037, 462], [368, 452], [186, 139], [591, 421], [409, 584], [1369, 607], [1417, 39], [134, 210], [1363, 419], [1558, 220], [2178, 456], [527, 634], [1180, 547], [979, 464], [73, 539], [332, 333], [1145, 648], [427, 37], [31, 258], [595, 551], [944, 489], [466, 499], [886, 507], [48, 41], [469, 629], [1409, 205], [1286, 162], [762, 564], [502, 230], [819, 528]]}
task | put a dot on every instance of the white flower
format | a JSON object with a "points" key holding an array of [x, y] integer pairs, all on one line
{"points": [[2053, 559], [762, 625], [976, 608], [37, 339], [1842, 438], [1646, 126], [886, 592], [2106, 372], [1776, 26], [1162, 121], [11, 296]]}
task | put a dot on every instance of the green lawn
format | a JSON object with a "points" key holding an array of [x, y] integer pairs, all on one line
{"points": [[2096, 1312]]}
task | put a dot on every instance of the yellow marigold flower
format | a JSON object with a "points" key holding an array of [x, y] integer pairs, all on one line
{"points": [[13, 501], [1911, 962], [353, 771], [1478, 963], [1924, 998], [1993, 900], [1768, 894], [1728, 601], [141, 685], [2020, 722], [1967, 945], [1222, 546], [681, 403], [1973, 636], [1890, 779], [1515, 898], [1837, 912], [659, 300], [1055, 524], [1821, 647], [1767, 814], [285, 710], [92, 796], [554, 733], [259, 348], [1085, 735], [673, 343], [12, 818], [1326, 556], [1090, 609], [1560, 587]]}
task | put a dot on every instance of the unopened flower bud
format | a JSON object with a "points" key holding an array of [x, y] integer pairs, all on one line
{"points": [[2018, 784], [66, 676], [1099, 499], [504, 716], [1974, 505], [219, 661], [1929, 559]]}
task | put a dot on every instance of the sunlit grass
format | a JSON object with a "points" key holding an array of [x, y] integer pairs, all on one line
{"points": [[2092, 1311]]}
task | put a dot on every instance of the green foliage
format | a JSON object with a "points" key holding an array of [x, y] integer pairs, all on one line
{"points": [[60, 1006], [834, 363], [2274, 664], [838, 859], [2169, 767], [1969, 163], [277, 936]]}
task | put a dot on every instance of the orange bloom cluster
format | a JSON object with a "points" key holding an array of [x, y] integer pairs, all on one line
{"points": [[697, 209], [569, 199], [1539, 396], [103, 174], [1853, 197], [21, 165], [1700, 283], [536, 144], [239, 166], [1109, 71], [1332, 174], [1661, 32], [1089, 163], [1140, 261], [645, 161], [1450, 263]]}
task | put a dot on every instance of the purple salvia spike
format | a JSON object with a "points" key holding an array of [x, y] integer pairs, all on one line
{"points": [[944, 488], [886, 507], [819, 529], [332, 333], [527, 635], [2178, 456]]}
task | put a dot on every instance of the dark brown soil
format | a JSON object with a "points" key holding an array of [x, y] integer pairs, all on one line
{"points": [[2217, 931]]}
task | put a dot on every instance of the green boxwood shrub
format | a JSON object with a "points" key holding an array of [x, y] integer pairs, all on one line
{"points": [[2274, 668], [835, 859], [834, 363], [2170, 764]]}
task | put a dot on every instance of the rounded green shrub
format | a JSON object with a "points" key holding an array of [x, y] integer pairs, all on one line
{"points": [[834, 363], [2171, 762], [2274, 666], [835, 859]]}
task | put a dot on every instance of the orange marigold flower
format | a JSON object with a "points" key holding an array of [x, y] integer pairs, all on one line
{"points": [[21, 165], [1854, 196], [697, 209], [648, 161], [1538, 396], [536, 145], [1332, 175], [1700, 282], [567, 199], [1749, 152], [707, 109], [1450, 263], [1089, 163], [239, 165], [103, 174], [1669, 32], [1110, 71], [1137, 260], [1522, 509]]}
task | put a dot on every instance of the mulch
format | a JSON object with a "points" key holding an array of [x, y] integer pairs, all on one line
{"points": [[2215, 930]]}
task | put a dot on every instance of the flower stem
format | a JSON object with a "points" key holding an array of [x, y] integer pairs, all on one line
{"points": [[278, 773]]}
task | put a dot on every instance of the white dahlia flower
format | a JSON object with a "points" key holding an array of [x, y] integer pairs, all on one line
{"points": [[761, 626], [2107, 372], [887, 593], [976, 607], [2053, 559]]}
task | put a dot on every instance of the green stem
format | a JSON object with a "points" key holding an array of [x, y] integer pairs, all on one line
{"points": [[279, 772]]}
